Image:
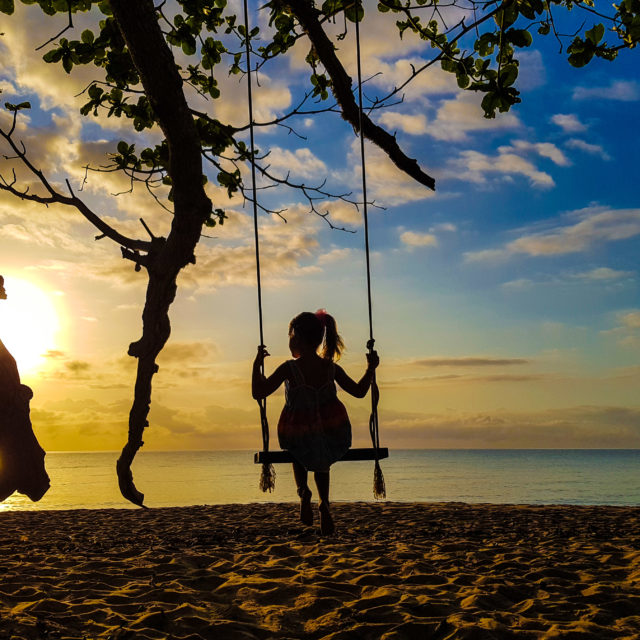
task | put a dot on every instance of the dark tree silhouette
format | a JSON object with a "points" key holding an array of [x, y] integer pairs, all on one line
{"points": [[21, 457]]}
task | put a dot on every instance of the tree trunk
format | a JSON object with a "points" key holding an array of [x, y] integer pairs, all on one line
{"points": [[21, 457], [163, 86]]}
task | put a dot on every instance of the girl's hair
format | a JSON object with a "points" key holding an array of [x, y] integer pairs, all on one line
{"points": [[317, 329]]}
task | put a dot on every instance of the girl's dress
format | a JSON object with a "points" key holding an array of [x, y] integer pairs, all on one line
{"points": [[314, 426]]}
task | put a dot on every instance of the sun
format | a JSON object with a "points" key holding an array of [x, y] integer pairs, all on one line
{"points": [[29, 323]]}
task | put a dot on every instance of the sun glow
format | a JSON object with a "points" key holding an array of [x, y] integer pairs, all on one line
{"points": [[28, 323]]}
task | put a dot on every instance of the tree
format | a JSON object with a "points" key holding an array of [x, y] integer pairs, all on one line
{"points": [[138, 79]]}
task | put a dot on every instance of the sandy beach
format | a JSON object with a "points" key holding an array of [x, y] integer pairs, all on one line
{"points": [[392, 571]]}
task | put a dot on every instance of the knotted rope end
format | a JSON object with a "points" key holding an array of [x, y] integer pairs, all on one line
{"points": [[267, 478], [379, 488]]}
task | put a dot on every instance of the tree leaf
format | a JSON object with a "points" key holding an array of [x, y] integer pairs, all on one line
{"points": [[17, 107], [354, 12], [7, 6], [508, 75], [595, 34]]}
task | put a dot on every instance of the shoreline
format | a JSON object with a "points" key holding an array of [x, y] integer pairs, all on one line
{"points": [[393, 571]]}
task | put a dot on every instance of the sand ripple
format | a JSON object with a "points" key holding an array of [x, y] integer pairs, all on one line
{"points": [[392, 572]]}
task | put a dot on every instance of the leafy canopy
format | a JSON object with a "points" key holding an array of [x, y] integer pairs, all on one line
{"points": [[477, 41]]}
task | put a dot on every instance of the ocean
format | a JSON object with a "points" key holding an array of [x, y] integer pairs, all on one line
{"points": [[182, 478]]}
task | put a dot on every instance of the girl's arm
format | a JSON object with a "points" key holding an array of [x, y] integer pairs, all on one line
{"points": [[262, 387], [358, 389]]}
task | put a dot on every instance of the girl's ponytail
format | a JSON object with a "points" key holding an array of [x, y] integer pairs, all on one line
{"points": [[333, 346]]}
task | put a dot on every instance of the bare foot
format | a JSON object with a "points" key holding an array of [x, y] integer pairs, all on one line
{"points": [[327, 528], [306, 513]]}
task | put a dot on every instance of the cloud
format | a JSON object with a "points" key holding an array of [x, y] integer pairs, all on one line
{"points": [[543, 149], [187, 352], [77, 367], [271, 97], [414, 239], [587, 147], [621, 90], [595, 225], [462, 115], [412, 124], [386, 184], [301, 162], [475, 166], [342, 212], [520, 284], [627, 331], [228, 266], [23, 33], [631, 319], [6, 88], [54, 354], [568, 122], [598, 275], [469, 362], [421, 382], [287, 251], [338, 255], [389, 74], [532, 72], [444, 226], [603, 274], [563, 428]]}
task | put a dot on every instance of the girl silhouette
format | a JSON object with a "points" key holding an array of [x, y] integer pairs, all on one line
{"points": [[314, 426]]}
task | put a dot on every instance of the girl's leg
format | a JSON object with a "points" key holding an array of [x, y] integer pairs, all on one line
{"points": [[326, 521], [300, 475]]}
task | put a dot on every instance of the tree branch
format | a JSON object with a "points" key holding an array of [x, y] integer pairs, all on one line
{"points": [[55, 197], [307, 15]]}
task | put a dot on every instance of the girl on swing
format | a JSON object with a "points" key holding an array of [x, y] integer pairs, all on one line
{"points": [[314, 426]]}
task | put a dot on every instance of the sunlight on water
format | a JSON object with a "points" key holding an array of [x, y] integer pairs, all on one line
{"points": [[88, 480]]}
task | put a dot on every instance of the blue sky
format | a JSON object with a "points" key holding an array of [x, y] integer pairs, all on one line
{"points": [[506, 304]]}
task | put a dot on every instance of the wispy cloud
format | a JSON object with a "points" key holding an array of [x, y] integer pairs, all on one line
{"points": [[587, 147], [568, 122], [597, 275], [627, 329], [571, 427], [301, 162], [459, 117], [476, 166], [449, 227], [413, 124], [387, 185], [596, 225], [600, 274], [413, 239], [622, 90], [631, 319], [470, 362], [179, 352], [543, 149]]}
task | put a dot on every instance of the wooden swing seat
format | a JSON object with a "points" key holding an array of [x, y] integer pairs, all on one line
{"points": [[275, 457]]}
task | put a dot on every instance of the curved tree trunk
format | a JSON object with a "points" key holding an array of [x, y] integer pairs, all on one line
{"points": [[21, 457], [163, 86]]}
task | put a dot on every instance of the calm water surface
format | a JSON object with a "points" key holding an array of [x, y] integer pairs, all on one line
{"points": [[182, 478]]}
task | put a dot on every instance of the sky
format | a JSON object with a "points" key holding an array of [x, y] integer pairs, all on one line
{"points": [[505, 305]]}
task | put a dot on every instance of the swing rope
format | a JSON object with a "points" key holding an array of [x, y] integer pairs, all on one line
{"points": [[379, 489], [267, 474]]}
